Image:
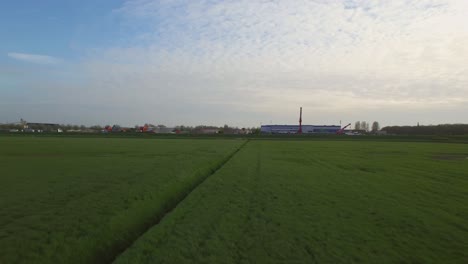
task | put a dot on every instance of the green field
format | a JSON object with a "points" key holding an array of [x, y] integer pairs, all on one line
{"points": [[70, 200], [273, 201]]}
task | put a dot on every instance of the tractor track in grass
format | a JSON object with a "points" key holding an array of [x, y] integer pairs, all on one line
{"points": [[118, 250]]}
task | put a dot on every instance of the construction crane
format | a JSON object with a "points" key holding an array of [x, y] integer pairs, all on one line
{"points": [[341, 131]]}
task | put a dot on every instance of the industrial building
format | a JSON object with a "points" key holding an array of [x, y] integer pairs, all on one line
{"points": [[301, 129], [293, 129]]}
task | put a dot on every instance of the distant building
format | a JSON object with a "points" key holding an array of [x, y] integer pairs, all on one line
{"points": [[355, 132], [293, 129], [209, 131], [163, 130], [39, 127], [42, 124]]}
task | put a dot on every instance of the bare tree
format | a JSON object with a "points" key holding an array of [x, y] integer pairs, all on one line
{"points": [[357, 125], [364, 126], [375, 126]]}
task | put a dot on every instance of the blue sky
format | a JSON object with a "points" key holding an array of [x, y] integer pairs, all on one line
{"points": [[63, 29], [243, 62]]}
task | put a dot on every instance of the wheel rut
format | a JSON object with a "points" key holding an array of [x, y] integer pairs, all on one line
{"points": [[117, 250]]}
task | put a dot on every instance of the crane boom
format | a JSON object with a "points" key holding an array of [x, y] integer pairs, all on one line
{"points": [[341, 131]]}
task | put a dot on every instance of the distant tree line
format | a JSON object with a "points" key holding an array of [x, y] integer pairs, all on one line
{"points": [[445, 129], [10, 126], [200, 129], [45, 127], [364, 126]]}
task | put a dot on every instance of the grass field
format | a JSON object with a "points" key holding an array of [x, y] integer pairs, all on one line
{"points": [[88, 199], [68, 200], [321, 202]]}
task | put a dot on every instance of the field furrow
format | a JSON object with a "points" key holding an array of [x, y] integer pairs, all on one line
{"points": [[320, 202], [69, 200]]}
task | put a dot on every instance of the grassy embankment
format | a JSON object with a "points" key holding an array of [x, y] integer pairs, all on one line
{"points": [[321, 202]]}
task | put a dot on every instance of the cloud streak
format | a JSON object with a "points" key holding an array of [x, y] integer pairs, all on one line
{"points": [[34, 58]]}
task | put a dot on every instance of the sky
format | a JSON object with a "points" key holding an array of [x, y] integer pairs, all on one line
{"points": [[239, 62]]}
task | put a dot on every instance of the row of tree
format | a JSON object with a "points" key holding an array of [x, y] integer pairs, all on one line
{"points": [[446, 129], [364, 126], [220, 130], [45, 127], [23, 126]]}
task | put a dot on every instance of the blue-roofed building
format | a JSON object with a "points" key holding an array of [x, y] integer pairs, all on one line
{"points": [[293, 129]]}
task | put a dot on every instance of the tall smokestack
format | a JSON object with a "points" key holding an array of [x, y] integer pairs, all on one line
{"points": [[300, 122]]}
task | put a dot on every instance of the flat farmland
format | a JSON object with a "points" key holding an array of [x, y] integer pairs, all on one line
{"points": [[134, 200], [321, 202], [81, 200]]}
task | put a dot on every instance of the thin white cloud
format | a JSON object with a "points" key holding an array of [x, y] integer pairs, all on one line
{"points": [[399, 50], [34, 58]]}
